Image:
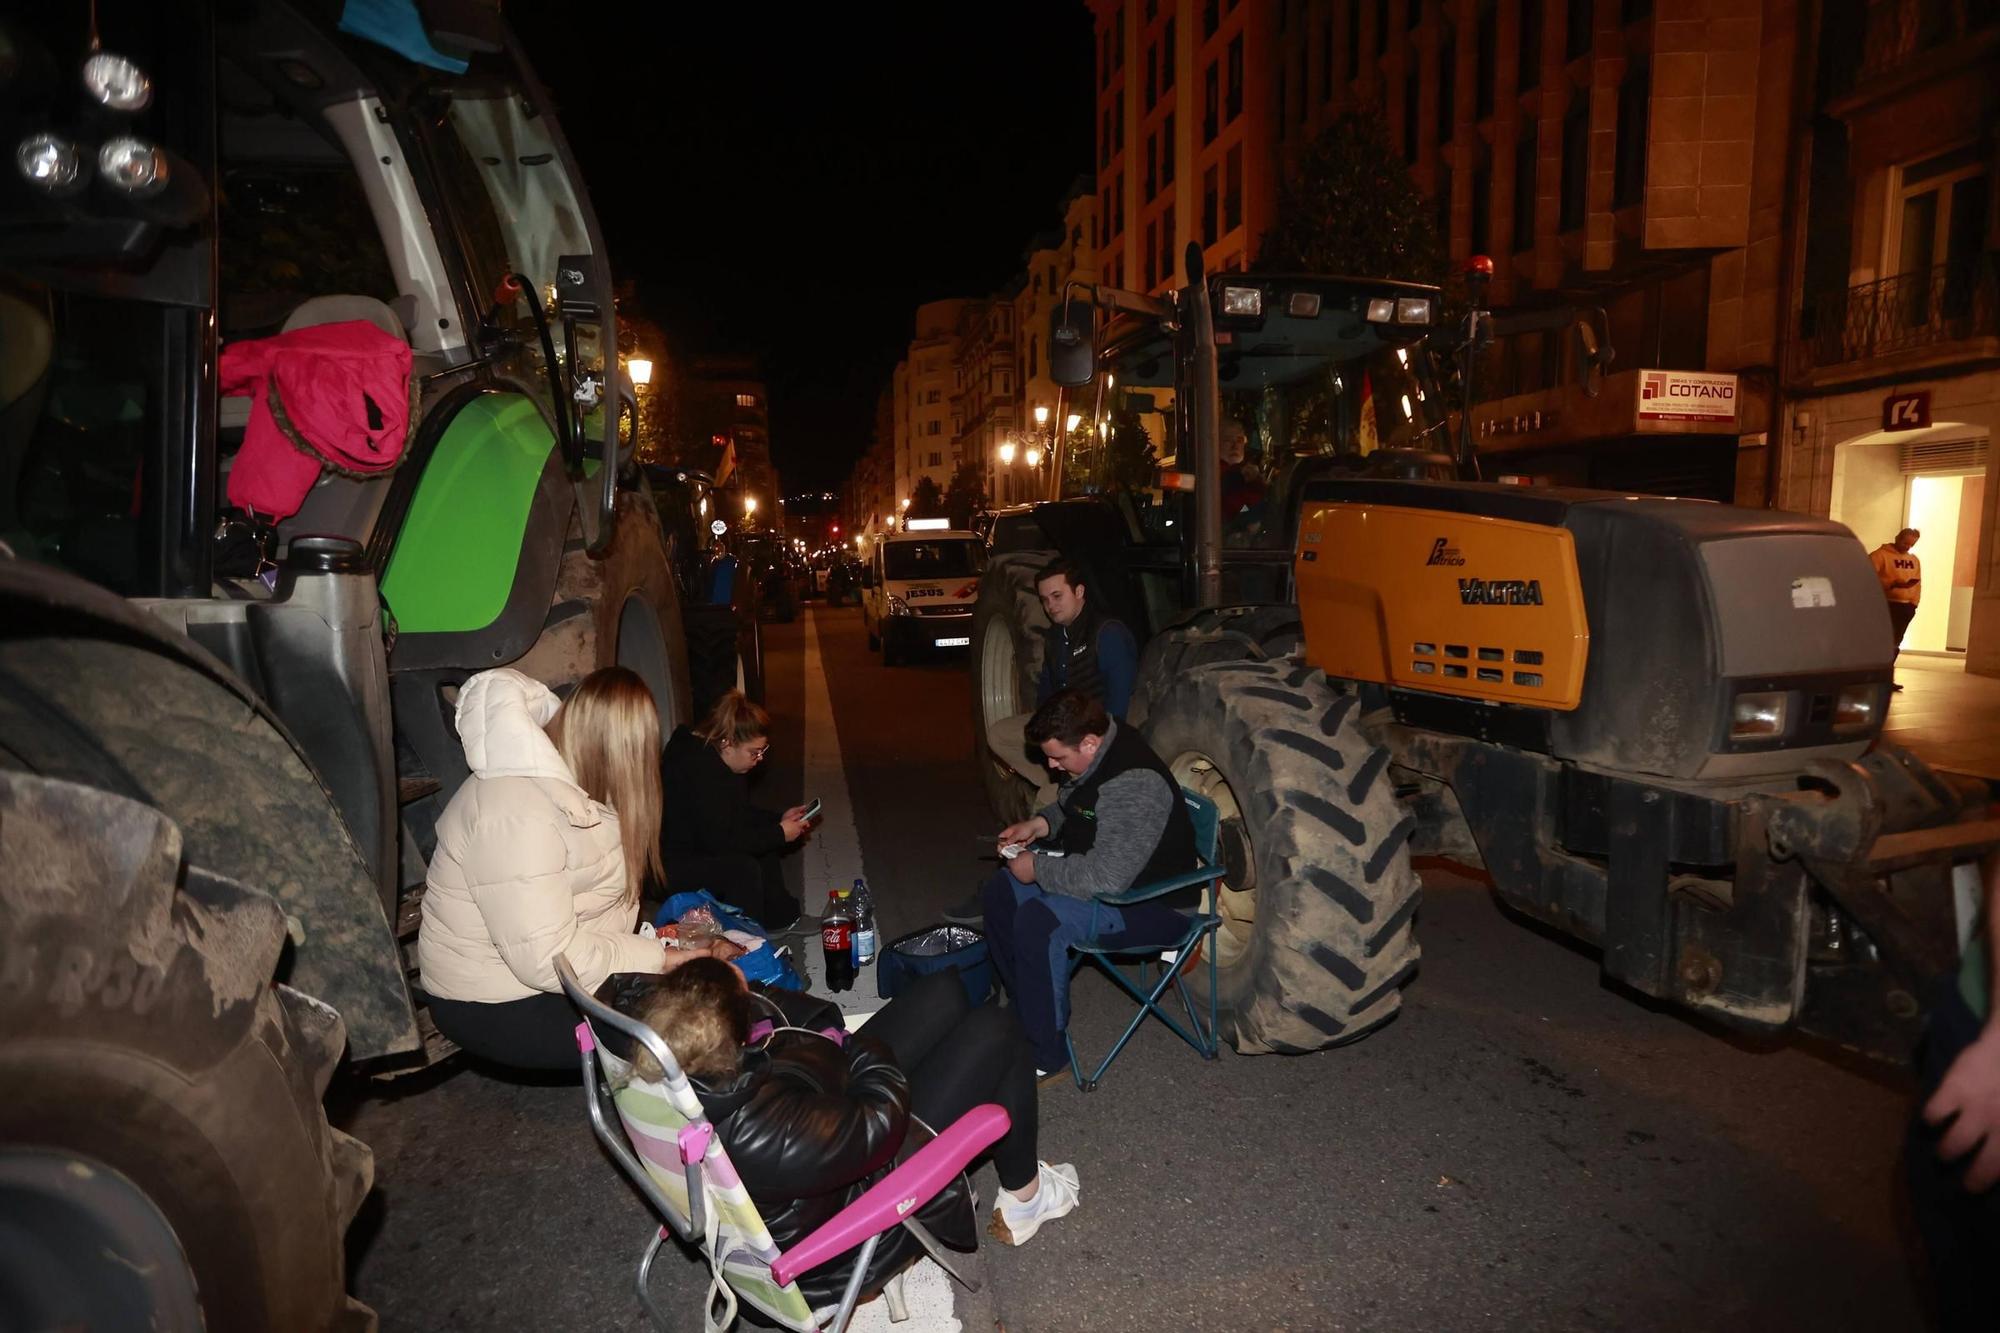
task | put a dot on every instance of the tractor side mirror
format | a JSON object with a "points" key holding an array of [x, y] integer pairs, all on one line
{"points": [[1072, 343], [1594, 352]]}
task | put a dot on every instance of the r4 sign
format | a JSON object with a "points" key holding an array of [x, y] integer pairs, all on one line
{"points": [[1907, 411]]}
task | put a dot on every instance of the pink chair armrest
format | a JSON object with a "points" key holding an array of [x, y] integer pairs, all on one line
{"points": [[898, 1194]]}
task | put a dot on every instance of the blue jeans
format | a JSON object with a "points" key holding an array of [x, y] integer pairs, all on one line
{"points": [[1028, 936]]}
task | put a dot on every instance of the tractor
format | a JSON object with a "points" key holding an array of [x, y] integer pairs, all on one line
{"points": [[225, 735], [1654, 724]]}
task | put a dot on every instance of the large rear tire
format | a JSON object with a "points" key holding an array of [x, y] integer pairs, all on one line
{"points": [[1006, 659], [1316, 942]]}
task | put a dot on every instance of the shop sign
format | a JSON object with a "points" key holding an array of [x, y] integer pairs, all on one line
{"points": [[1907, 411], [1520, 423], [1687, 396]]}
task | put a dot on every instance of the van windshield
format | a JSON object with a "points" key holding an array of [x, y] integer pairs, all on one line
{"points": [[958, 558]]}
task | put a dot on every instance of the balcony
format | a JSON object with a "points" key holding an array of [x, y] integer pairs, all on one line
{"points": [[1912, 321]]}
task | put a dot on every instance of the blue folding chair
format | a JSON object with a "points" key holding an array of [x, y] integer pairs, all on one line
{"points": [[1169, 956]]}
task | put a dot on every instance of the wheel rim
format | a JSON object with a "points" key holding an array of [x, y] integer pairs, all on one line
{"points": [[1236, 905], [999, 682], [642, 647], [81, 1246]]}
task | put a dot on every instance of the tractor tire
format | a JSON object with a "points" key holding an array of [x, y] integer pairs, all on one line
{"points": [[622, 608], [1006, 658], [718, 660], [1316, 941], [164, 1156]]}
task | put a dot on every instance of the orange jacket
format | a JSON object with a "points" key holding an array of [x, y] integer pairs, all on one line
{"points": [[1902, 574]]}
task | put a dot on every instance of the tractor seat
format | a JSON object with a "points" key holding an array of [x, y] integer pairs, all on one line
{"points": [[233, 414]]}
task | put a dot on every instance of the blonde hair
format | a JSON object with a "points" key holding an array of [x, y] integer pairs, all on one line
{"points": [[608, 732], [734, 720], [702, 1010]]}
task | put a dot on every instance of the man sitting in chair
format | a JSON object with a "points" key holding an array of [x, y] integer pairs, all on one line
{"points": [[1118, 822]]}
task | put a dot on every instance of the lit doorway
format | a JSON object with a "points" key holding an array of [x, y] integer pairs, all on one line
{"points": [[1933, 480]]}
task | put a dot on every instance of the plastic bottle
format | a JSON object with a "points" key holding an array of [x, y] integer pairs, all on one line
{"points": [[864, 925], [836, 941]]}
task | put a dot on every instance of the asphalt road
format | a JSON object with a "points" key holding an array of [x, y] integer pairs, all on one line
{"points": [[1522, 1149]]}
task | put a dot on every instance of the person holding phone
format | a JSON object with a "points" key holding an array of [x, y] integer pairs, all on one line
{"points": [[712, 836]]}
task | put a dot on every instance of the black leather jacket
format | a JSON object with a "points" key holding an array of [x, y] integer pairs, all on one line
{"points": [[810, 1124]]}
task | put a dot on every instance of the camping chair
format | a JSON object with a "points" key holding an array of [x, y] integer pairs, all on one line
{"points": [[671, 1151], [1169, 956]]}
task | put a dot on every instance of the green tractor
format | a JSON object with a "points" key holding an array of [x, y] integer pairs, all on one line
{"points": [[224, 740]]}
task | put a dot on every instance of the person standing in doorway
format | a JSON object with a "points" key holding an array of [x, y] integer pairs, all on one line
{"points": [[1902, 576]]}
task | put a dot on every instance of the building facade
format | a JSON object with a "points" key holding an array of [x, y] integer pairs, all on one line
{"points": [[1628, 155], [1053, 260], [985, 406], [1893, 372], [736, 398], [925, 384]]}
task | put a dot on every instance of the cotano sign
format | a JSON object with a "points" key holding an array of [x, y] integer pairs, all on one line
{"points": [[1687, 395]]}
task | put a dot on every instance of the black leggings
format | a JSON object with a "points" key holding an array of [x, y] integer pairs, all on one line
{"points": [[754, 883], [959, 1057], [538, 1032]]}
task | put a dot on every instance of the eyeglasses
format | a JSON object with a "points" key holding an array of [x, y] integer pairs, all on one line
{"points": [[757, 753]]}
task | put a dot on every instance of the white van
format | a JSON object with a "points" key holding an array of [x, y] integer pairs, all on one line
{"points": [[919, 591]]}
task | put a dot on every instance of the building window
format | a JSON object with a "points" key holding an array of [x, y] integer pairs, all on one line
{"points": [[936, 458], [1211, 104], [1211, 17], [1235, 108], [1152, 166], [1526, 148], [1034, 356], [1118, 39], [1482, 203], [1488, 54], [746, 400], [1152, 269], [1118, 126], [1381, 27], [1326, 74], [1167, 55], [1353, 65], [1413, 86], [1232, 194], [1635, 96], [1167, 150], [1283, 119], [1444, 202], [1104, 58], [1104, 142], [1631, 11], [1167, 245], [1448, 88], [1528, 47], [934, 428], [1413, 14], [934, 396], [1939, 224], [1210, 202], [1575, 159], [1003, 383], [1152, 76], [1118, 205], [1577, 23]]}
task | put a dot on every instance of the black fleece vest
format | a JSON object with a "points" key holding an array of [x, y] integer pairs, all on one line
{"points": [[1173, 854], [1072, 649]]}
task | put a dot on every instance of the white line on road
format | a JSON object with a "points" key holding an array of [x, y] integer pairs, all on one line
{"points": [[833, 858]]}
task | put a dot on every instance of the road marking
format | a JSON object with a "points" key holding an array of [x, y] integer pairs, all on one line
{"points": [[833, 857]]}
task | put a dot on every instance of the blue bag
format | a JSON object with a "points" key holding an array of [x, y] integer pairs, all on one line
{"points": [[766, 965], [933, 949]]}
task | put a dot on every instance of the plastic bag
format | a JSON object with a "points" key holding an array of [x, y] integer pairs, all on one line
{"points": [[766, 966]]}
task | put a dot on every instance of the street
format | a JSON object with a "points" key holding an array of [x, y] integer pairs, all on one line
{"points": [[1523, 1148]]}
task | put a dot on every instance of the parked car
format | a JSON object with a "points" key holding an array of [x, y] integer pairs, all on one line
{"points": [[918, 591]]}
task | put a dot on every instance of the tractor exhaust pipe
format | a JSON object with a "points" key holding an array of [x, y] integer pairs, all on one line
{"points": [[1203, 422]]}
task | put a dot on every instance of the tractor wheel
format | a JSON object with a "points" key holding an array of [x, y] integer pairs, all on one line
{"points": [[1006, 657], [622, 608], [1315, 943]]}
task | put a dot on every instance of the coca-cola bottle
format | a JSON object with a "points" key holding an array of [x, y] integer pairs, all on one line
{"points": [[836, 941]]}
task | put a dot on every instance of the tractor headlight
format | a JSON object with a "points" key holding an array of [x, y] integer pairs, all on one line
{"points": [[1857, 708], [898, 607], [1758, 717], [1413, 310], [132, 165], [1381, 310], [116, 82], [50, 162], [1243, 301]]}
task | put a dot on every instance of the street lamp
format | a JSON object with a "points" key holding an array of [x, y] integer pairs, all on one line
{"points": [[1006, 453], [1033, 456], [1042, 415], [749, 505], [1070, 423], [641, 370]]}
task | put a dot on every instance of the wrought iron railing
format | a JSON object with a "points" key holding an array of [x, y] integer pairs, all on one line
{"points": [[1949, 303]]}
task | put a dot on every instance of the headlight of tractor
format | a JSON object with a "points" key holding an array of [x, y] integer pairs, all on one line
{"points": [[1857, 708], [1758, 717], [898, 607]]}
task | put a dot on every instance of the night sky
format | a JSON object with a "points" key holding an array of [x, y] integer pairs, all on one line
{"points": [[792, 180]]}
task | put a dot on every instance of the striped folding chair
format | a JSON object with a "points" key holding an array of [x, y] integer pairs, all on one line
{"points": [[658, 1133], [1168, 955]]}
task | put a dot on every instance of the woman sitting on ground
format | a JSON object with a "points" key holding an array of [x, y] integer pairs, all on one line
{"points": [[541, 852], [810, 1122], [713, 837]]}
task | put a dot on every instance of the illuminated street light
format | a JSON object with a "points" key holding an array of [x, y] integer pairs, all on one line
{"points": [[1033, 456], [749, 505], [1071, 423], [641, 370], [905, 504], [1041, 414], [1007, 453]]}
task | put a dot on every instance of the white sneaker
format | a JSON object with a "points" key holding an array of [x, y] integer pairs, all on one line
{"points": [[1015, 1221]]}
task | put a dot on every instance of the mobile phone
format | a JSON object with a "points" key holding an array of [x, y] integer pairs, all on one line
{"points": [[812, 811]]}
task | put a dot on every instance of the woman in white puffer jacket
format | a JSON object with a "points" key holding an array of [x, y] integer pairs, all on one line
{"points": [[541, 853]]}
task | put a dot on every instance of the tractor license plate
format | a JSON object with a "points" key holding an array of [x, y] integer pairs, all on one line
{"points": [[955, 643]]}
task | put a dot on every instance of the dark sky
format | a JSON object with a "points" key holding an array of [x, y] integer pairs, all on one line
{"points": [[791, 180]]}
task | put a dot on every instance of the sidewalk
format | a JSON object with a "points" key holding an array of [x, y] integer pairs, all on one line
{"points": [[1948, 717]]}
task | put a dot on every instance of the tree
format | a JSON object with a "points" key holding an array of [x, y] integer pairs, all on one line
{"points": [[1125, 461], [966, 494], [926, 500], [1352, 209]]}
